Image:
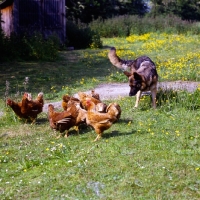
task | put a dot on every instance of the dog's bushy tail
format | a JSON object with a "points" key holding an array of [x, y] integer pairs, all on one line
{"points": [[124, 65], [116, 61]]}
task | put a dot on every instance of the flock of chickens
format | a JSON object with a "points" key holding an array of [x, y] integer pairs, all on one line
{"points": [[87, 109]]}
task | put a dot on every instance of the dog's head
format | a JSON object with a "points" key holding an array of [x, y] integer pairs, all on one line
{"points": [[136, 82]]}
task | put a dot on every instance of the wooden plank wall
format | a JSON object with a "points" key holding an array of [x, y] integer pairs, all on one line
{"points": [[7, 18], [45, 16]]}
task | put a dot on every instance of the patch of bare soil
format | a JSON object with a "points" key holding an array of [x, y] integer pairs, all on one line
{"points": [[116, 90]]}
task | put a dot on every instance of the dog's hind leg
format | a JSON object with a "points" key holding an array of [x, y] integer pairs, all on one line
{"points": [[138, 95]]}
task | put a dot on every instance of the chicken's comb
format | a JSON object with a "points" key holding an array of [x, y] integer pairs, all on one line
{"points": [[8, 100], [88, 100]]}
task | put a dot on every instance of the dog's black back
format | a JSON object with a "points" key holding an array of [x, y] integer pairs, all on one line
{"points": [[139, 60]]}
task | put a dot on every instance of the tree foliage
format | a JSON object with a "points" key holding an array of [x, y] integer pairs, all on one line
{"points": [[186, 9], [87, 10]]}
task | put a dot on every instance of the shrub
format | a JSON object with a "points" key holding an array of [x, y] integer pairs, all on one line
{"points": [[40, 48], [113, 27], [34, 47], [123, 26], [81, 36]]}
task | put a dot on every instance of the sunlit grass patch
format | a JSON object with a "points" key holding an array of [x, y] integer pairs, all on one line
{"points": [[176, 56], [146, 151]]}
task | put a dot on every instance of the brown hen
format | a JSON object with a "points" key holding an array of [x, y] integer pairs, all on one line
{"points": [[62, 120], [30, 107], [69, 101], [16, 107], [99, 121], [85, 97], [114, 109], [66, 98]]}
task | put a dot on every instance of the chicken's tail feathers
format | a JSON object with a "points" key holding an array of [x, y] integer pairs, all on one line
{"points": [[114, 109], [73, 110], [40, 98], [27, 96], [64, 120], [40, 94]]}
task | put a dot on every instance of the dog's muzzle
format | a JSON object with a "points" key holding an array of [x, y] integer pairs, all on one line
{"points": [[132, 94], [133, 91]]}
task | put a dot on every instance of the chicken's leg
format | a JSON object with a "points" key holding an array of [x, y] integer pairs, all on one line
{"points": [[98, 137]]}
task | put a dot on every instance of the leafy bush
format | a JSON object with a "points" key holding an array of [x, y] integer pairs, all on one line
{"points": [[113, 27], [34, 47], [81, 36], [126, 25], [41, 49]]}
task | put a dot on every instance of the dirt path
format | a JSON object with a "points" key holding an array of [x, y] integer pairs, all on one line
{"points": [[116, 90]]}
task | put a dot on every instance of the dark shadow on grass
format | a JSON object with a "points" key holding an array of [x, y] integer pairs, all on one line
{"points": [[83, 129], [42, 120], [72, 132], [124, 121]]}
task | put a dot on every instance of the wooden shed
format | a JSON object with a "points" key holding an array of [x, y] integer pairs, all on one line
{"points": [[28, 16]]}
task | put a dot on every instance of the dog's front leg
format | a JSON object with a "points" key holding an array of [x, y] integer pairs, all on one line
{"points": [[138, 95], [153, 95]]}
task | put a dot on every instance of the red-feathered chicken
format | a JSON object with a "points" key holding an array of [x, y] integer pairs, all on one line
{"points": [[16, 107], [81, 118], [31, 107], [100, 121], [62, 120], [85, 97], [66, 98]]}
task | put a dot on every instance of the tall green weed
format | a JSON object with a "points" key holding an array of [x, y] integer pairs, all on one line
{"points": [[113, 27]]}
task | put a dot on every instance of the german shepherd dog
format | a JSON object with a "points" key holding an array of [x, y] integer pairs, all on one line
{"points": [[141, 73]]}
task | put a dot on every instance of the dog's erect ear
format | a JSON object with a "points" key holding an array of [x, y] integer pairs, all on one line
{"points": [[127, 73], [137, 76]]}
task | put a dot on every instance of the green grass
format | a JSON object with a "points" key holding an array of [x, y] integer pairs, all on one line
{"points": [[71, 73], [147, 154]]}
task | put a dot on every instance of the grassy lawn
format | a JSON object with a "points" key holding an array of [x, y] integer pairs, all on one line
{"points": [[148, 154]]}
